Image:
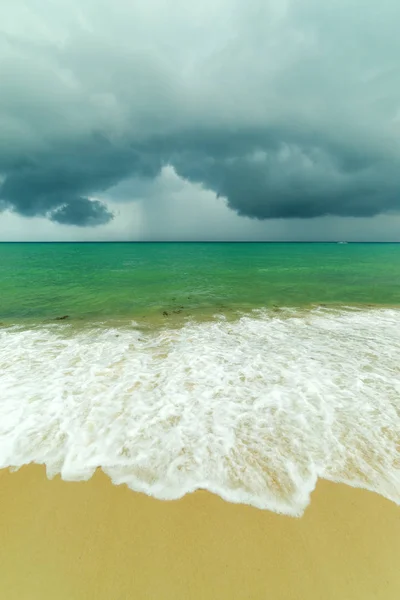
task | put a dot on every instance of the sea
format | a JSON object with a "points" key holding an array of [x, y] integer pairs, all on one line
{"points": [[247, 369]]}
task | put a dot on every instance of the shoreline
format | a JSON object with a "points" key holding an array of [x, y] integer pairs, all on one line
{"points": [[175, 317], [95, 540]]}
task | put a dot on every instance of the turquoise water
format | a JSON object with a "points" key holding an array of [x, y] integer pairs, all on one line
{"points": [[274, 365], [97, 281]]}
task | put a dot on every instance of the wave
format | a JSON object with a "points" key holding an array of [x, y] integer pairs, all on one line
{"points": [[254, 410]]}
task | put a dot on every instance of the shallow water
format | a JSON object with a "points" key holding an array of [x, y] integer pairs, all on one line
{"points": [[39, 282], [255, 409]]}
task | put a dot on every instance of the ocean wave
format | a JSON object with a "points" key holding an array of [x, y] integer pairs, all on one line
{"points": [[254, 410]]}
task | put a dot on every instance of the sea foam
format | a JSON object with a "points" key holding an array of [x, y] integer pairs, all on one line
{"points": [[255, 410]]}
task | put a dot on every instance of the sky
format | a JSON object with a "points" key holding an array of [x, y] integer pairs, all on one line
{"points": [[220, 120]]}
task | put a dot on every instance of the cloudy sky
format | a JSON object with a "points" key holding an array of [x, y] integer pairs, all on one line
{"points": [[219, 119]]}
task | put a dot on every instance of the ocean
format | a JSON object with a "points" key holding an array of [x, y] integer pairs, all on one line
{"points": [[247, 369]]}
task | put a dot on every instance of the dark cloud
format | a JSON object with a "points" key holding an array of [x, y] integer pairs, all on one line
{"points": [[278, 175], [286, 109], [263, 175], [57, 183], [54, 193], [83, 212]]}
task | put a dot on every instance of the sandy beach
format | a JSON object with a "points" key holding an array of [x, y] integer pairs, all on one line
{"points": [[93, 540]]}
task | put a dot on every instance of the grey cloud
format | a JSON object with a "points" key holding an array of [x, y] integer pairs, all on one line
{"points": [[286, 109], [83, 212], [58, 183], [289, 180], [284, 173]]}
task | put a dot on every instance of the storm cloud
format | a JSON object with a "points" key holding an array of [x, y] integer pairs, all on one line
{"points": [[285, 109]]}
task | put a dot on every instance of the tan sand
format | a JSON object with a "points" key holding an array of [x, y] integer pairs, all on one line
{"points": [[93, 540]]}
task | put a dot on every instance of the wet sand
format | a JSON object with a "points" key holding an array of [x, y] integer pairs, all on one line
{"points": [[92, 540]]}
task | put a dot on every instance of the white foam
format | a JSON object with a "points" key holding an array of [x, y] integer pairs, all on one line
{"points": [[254, 410]]}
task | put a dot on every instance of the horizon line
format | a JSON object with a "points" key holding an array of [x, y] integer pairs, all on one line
{"points": [[196, 242]]}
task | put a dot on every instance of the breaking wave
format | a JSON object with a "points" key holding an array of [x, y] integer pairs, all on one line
{"points": [[254, 410]]}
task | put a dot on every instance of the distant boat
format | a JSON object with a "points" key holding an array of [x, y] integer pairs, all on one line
{"points": [[342, 242]]}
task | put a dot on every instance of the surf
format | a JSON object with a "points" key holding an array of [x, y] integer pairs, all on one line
{"points": [[255, 410]]}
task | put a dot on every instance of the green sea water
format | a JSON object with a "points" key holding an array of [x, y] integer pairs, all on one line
{"points": [[95, 281]]}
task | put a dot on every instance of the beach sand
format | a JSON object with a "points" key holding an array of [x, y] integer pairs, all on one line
{"points": [[93, 540]]}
